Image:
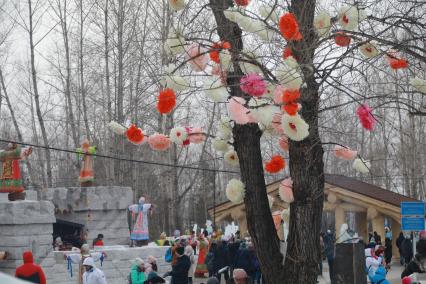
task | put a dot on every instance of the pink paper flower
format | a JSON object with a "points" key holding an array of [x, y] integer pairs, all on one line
{"points": [[344, 153], [283, 142], [159, 142], [286, 190], [252, 84], [278, 94], [197, 56], [237, 111], [196, 135], [366, 117], [276, 124]]}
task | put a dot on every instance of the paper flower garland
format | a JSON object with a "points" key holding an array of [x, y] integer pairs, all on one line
{"points": [[397, 63], [418, 84], [220, 145], [159, 142], [117, 128], [166, 101], [177, 4], [231, 158], [237, 111], [289, 99], [344, 153], [289, 27], [295, 127], [197, 57], [322, 23], [235, 191], [262, 112], [134, 134], [252, 84], [178, 135], [277, 124], [196, 135], [365, 117], [369, 50], [285, 190], [283, 143], [361, 166], [214, 89], [288, 75], [341, 39], [216, 48], [275, 165]]}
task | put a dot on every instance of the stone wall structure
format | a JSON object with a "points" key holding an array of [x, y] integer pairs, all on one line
{"points": [[101, 209]]}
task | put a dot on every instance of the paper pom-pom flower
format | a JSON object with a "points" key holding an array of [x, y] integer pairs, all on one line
{"points": [[365, 117], [418, 84], [270, 201], [348, 18], [117, 128], [295, 127], [263, 112], [159, 142], [225, 59], [285, 190], [166, 101], [231, 158], [369, 50], [216, 48], [290, 96], [287, 52], [289, 27], [175, 43], [275, 165], [341, 39], [344, 153], [253, 85], [291, 108], [178, 135], [288, 75], [214, 89], [361, 166], [397, 63], [235, 191], [177, 4], [266, 11], [197, 57], [225, 129], [174, 81], [242, 2], [220, 145], [276, 124], [283, 142], [134, 134], [322, 23], [237, 111], [196, 135]]}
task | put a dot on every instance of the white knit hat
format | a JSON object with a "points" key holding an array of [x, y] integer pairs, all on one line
{"points": [[139, 261]]}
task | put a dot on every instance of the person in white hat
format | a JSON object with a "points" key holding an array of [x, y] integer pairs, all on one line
{"points": [[92, 275]]}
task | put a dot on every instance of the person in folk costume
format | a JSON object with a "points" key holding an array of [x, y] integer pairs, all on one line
{"points": [[87, 176], [203, 246], [10, 179], [79, 257], [140, 232]]}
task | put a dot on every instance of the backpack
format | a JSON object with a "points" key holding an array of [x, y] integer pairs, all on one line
{"points": [[169, 255]]}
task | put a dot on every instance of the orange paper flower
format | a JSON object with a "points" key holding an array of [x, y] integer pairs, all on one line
{"points": [[397, 63], [287, 52], [242, 2], [290, 96], [134, 134], [289, 27], [341, 39], [291, 108], [166, 101], [276, 164], [216, 48]]}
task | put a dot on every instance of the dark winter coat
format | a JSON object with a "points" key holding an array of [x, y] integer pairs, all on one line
{"points": [[329, 245], [221, 257], [388, 250], [244, 260], [416, 265], [180, 270], [399, 241], [407, 250], [232, 251]]}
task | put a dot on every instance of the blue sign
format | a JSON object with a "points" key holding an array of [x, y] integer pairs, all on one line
{"points": [[416, 208], [413, 224]]}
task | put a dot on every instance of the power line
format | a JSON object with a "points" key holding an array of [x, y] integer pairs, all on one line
{"points": [[121, 159]]}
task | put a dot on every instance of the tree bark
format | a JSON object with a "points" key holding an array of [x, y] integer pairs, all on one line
{"points": [[82, 84], [37, 99]]}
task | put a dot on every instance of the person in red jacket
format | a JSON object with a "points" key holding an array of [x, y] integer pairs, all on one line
{"points": [[29, 271]]}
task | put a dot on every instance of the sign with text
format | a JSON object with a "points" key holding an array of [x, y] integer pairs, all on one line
{"points": [[413, 224], [416, 208]]}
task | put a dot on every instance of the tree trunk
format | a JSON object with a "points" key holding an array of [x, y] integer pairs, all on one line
{"points": [[37, 99], [82, 85]]}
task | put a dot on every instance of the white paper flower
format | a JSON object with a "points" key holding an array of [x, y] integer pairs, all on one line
{"points": [[418, 84], [322, 23], [262, 111], [178, 135], [285, 190], [232, 14], [214, 89], [289, 77], [224, 128], [225, 59], [295, 127], [231, 158], [177, 5], [220, 145], [264, 33], [235, 191], [117, 128], [291, 62], [369, 50], [361, 166], [271, 201], [266, 11], [175, 43], [348, 17], [247, 67]]}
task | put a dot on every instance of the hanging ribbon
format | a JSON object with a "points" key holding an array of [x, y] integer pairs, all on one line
{"points": [[102, 258], [69, 265]]}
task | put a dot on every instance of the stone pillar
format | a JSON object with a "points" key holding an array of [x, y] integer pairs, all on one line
{"points": [[379, 226], [339, 219], [25, 225], [396, 228]]}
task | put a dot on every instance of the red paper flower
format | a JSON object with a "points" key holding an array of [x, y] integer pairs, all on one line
{"points": [[341, 39], [216, 48], [134, 134], [289, 27], [242, 2], [365, 117], [287, 52], [397, 63], [166, 101], [290, 96], [276, 164], [291, 108]]}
